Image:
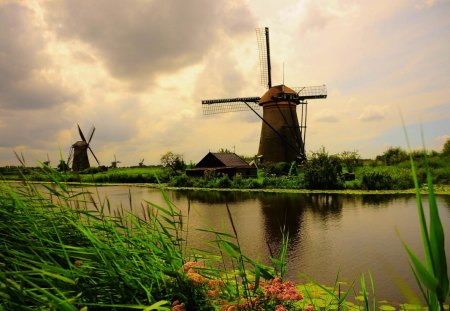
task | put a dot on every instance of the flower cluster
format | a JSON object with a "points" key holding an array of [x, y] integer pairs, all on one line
{"points": [[272, 294], [213, 287], [277, 290]]}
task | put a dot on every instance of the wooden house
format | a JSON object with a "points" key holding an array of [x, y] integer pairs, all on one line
{"points": [[223, 163]]}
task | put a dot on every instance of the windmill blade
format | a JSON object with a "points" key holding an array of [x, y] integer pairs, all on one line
{"points": [[94, 155], [311, 92], [214, 106], [81, 133], [262, 37], [91, 133]]}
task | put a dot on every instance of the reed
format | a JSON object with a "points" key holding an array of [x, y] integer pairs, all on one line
{"points": [[431, 275], [64, 248]]}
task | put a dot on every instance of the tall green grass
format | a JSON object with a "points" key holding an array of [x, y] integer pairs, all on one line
{"points": [[431, 275], [66, 249]]}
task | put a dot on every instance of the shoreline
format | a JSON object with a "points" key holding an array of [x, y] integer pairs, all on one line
{"points": [[438, 189]]}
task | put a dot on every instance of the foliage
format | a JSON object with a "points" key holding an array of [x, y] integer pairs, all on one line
{"points": [[65, 251], [278, 169], [385, 178], [350, 159], [431, 275], [323, 171], [446, 149], [393, 156], [174, 161]]}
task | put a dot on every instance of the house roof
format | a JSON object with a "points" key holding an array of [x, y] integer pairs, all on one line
{"points": [[221, 159]]}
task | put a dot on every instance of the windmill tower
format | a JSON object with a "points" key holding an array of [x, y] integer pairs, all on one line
{"points": [[79, 152], [282, 136]]}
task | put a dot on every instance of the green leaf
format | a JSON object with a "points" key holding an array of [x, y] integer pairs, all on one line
{"points": [[427, 278]]}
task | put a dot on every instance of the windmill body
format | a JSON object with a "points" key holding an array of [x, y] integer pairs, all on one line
{"points": [[80, 156], [282, 135], [79, 152], [281, 139]]}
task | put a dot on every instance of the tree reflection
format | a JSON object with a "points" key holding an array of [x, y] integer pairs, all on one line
{"points": [[282, 211], [326, 204], [214, 196]]}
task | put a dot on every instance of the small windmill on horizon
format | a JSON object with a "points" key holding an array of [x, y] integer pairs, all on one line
{"points": [[79, 152], [282, 136]]}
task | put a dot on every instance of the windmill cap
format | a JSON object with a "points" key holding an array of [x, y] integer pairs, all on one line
{"points": [[275, 91], [80, 144]]}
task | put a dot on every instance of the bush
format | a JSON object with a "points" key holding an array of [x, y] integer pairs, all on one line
{"points": [[323, 171], [181, 181], [278, 169], [384, 178]]}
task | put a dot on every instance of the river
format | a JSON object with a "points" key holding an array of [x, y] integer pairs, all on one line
{"points": [[329, 233]]}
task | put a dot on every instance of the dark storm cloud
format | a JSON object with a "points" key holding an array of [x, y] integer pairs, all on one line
{"points": [[138, 39], [22, 86]]}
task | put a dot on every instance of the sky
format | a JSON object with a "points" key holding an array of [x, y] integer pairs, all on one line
{"points": [[137, 70]]}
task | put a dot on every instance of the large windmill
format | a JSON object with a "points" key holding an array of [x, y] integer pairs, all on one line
{"points": [[282, 136], [79, 151]]}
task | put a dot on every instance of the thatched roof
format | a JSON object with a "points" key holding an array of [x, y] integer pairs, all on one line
{"points": [[221, 159]]}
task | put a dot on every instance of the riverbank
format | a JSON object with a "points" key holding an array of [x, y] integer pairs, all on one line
{"points": [[438, 189]]}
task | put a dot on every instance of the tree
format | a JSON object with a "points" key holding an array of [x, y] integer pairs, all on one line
{"points": [[174, 161], [323, 171], [392, 156], [446, 148], [351, 160]]}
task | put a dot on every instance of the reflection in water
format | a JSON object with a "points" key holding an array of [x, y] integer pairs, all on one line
{"points": [[352, 234], [282, 211], [447, 201], [215, 197], [376, 199]]}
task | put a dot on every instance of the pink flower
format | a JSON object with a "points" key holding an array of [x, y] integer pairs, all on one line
{"points": [[178, 306], [309, 308]]}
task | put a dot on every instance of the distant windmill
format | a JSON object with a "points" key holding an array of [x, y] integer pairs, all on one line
{"points": [[47, 163], [141, 163], [282, 137], [115, 162], [78, 153]]}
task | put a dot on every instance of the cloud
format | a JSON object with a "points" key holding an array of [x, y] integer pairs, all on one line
{"points": [[373, 113], [326, 115], [24, 82], [136, 40]]}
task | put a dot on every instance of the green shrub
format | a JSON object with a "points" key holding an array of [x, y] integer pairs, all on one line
{"points": [[386, 178], [392, 156], [323, 171], [278, 169], [181, 181]]}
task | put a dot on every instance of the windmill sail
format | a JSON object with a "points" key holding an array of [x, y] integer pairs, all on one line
{"points": [[215, 106], [311, 92], [262, 36]]}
